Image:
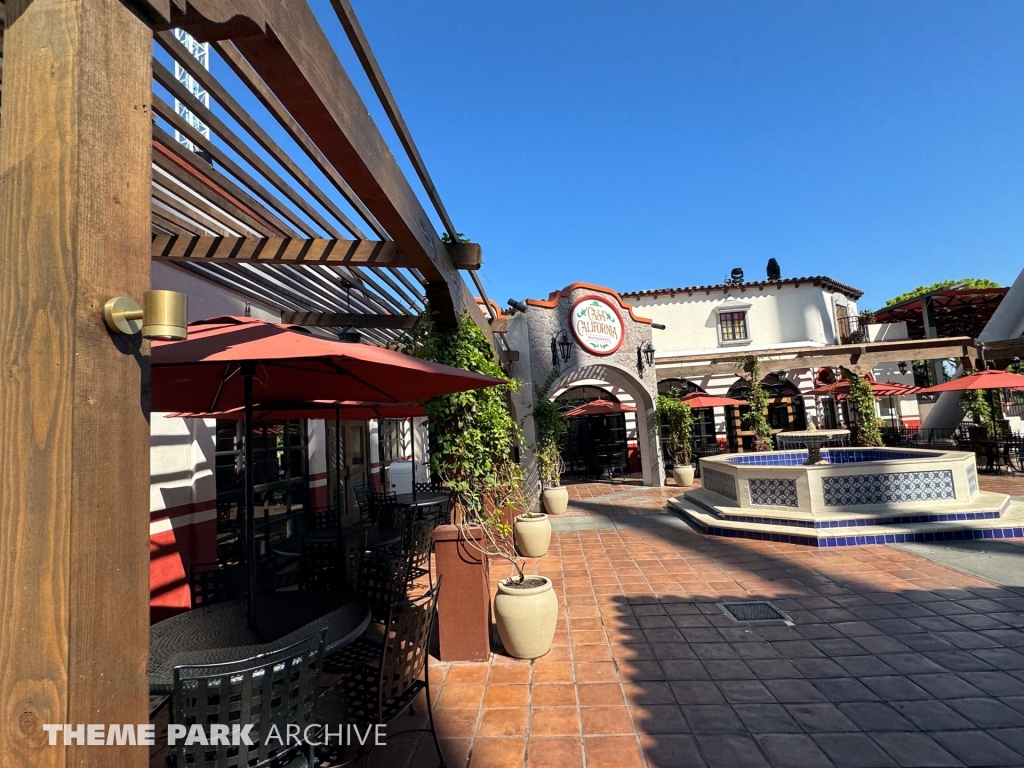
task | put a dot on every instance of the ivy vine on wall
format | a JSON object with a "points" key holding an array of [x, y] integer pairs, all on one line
{"points": [[756, 419], [550, 427], [474, 433]]}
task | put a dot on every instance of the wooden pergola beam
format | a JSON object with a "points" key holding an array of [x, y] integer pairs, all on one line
{"points": [[361, 253], [355, 319], [74, 419], [285, 45], [858, 358]]}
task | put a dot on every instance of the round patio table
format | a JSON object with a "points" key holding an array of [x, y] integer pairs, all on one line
{"points": [[422, 499], [375, 539], [219, 633]]}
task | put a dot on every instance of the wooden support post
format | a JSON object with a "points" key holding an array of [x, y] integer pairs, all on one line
{"points": [[74, 464]]}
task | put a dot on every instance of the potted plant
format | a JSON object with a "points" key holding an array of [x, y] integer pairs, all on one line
{"points": [[550, 428], [525, 607], [473, 437], [677, 420]]}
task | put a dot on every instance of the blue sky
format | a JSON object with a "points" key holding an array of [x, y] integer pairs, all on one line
{"points": [[660, 143]]}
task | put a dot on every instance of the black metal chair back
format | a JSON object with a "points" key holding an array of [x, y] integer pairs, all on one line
{"points": [[404, 655], [383, 580], [212, 583], [323, 519], [362, 501], [417, 544], [331, 563], [275, 689]]}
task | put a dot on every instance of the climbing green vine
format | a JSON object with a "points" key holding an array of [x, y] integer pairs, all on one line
{"points": [[862, 403], [756, 419], [474, 433]]}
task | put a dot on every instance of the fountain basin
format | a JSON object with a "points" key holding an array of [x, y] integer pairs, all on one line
{"points": [[861, 496], [864, 481]]}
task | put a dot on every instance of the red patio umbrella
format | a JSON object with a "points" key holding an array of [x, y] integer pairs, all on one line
{"points": [[980, 380], [879, 388], [232, 362], [207, 372], [702, 400], [600, 408]]}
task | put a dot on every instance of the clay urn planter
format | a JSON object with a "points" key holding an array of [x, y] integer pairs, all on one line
{"points": [[533, 534], [526, 615], [556, 499], [683, 475]]}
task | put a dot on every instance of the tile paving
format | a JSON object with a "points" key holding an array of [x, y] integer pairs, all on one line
{"points": [[892, 660]]}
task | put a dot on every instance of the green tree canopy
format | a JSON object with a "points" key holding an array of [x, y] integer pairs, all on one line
{"points": [[967, 282]]}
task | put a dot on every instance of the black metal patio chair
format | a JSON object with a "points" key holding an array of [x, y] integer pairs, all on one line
{"points": [[384, 680], [383, 581], [276, 689], [217, 582], [331, 564]]}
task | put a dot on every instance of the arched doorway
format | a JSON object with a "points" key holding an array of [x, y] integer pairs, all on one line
{"points": [[608, 381], [785, 410], [602, 444]]}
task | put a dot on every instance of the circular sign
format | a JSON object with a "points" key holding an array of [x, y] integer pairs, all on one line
{"points": [[597, 325]]}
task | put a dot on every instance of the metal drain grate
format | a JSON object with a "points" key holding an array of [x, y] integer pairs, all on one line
{"points": [[754, 612]]}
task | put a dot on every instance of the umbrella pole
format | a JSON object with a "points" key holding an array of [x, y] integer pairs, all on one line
{"points": [[412, 434], [337, 464], [248, 370]]}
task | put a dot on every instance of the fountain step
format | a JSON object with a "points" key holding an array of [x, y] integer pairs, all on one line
{"points": [[1009, 525], [987, 506]]}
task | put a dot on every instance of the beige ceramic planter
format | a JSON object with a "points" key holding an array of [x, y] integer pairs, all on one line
{"points": [[556, 500], [526, 618], [533, 534], [683, 476]]}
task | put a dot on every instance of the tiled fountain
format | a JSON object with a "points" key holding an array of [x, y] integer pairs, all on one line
{"points": [[852, 496]]}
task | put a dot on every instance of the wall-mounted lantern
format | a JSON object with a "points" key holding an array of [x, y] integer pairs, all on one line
{"points": [[162, 316], [902, 365], [644, 357], [561, 346]]}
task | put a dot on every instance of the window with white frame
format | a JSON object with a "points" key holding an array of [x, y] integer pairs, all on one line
{"points": [[733, 326]]}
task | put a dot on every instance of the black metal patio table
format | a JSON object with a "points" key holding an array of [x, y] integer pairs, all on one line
{"points": [[375, 539], [219, 633], [421, 500]]}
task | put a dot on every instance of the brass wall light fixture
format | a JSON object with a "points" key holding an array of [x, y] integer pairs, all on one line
{"points": [[163, 315]]}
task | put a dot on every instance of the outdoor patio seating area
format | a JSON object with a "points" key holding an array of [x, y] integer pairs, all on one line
{"points": [[334, 606]]}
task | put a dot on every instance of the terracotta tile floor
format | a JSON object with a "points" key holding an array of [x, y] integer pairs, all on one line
{"points": [[892, 660]]}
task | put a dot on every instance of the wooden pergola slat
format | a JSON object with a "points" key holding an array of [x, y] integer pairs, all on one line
{"points": [[363, 253]]}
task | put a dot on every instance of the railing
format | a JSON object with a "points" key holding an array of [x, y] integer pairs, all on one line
{"points": [[850, 331]]}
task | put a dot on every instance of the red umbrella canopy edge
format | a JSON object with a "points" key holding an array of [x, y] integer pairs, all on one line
{"points": [[316, 409], [702, 400], [599, 408], [980, 380], [202, 373]]}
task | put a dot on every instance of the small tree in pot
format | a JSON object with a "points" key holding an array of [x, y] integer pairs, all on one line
{"points": [[677, 419], [550, 427], [526, 607]]}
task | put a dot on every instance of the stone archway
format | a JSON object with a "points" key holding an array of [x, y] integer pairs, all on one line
{"points": [[610, 373]]}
